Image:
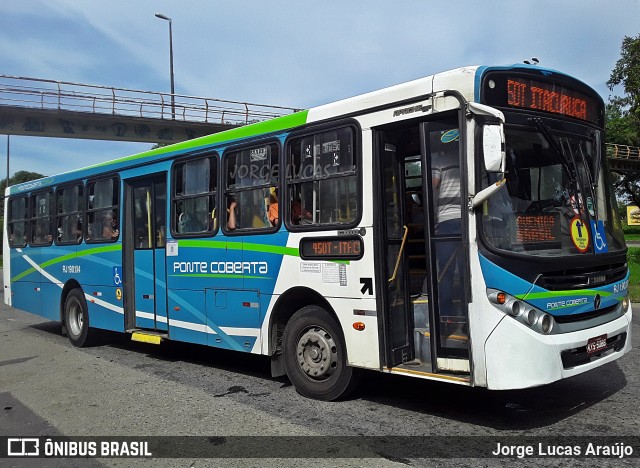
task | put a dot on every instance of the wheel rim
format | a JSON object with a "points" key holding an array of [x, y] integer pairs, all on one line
{"points": [[75, 318], [317, 353]]}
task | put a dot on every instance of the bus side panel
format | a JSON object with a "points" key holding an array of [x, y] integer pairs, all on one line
{"points": [[50, 293], [54, 261], [105, 310], [26, 296], [96, 265], [187, 319], [25, 283], [233, 318]]}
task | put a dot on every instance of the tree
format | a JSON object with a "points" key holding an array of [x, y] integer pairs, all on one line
{"points": [[627, 73], [623, 113], [17, 178]]}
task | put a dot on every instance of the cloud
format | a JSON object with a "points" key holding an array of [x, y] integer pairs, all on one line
{"points": [[303, 53]]}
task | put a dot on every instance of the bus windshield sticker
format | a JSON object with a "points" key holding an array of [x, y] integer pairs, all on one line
{"points": [[579, 235], [599, 237]]}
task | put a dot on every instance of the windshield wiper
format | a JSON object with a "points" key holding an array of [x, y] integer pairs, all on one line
{"points": [[593, 185], [544, 130], [597, 167]]}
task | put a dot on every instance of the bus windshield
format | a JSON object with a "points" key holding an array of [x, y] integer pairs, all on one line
{"points": [[556, 201]]}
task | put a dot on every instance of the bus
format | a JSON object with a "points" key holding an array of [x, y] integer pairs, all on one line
{"points": [[460, 227]]}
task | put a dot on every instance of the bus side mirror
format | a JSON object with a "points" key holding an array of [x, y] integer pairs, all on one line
{"points": [[493, 147]]}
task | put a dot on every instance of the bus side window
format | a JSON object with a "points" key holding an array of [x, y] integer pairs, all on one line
{"points": [[103, 213], [194, 196], [40, 210], [251, 196], [321, 178], [69, 214], [17, 224]]}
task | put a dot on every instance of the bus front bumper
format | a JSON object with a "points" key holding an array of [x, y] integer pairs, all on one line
{"points": [[518, 357]]}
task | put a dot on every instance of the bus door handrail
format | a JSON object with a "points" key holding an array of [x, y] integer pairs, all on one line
{"points": [[404, 241]]}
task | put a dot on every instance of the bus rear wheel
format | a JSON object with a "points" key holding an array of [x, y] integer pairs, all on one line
{"points": [[76, 319], [315, 357]]}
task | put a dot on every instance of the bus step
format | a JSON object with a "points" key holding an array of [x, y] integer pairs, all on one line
{"points": [[148, 337]]}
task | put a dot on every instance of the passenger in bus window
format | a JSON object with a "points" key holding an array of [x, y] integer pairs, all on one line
{"points": [[445, 179], [298, 214], [273, 214], [231, 221], [109, 226]]}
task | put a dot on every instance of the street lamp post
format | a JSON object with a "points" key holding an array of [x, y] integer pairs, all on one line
{"points": [[173, 91]]}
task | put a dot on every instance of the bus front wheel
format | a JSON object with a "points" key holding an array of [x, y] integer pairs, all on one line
{"points": [[76, 319], [315, 357]]}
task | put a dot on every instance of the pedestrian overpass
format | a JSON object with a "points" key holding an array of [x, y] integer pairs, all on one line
{"points": [[39, 107], [623, 158]]}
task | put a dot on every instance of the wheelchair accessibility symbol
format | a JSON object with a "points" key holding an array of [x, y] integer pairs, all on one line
{"points": [[117, 276], [599, 237]]}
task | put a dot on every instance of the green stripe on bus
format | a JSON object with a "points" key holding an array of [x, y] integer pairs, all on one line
{"points": [[264, 248], [260, 128], [72, 256], [554, 294]]}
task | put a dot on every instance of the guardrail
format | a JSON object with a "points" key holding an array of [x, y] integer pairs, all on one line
{"points": [[76, 97]]}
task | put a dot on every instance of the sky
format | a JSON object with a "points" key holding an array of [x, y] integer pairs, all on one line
{"points": [[295, 53]]}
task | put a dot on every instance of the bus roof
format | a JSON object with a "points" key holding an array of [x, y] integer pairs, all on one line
{"points": [[465, 80]]}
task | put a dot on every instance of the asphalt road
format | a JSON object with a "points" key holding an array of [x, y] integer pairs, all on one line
{"points": [[122, 388]]}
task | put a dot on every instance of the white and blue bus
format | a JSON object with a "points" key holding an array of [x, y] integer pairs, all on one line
{"points": [[460, 227]]}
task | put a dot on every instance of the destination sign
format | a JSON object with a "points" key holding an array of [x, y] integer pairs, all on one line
{"points": [[542, 95], [548, 97], [336, 248], [538, 230]]}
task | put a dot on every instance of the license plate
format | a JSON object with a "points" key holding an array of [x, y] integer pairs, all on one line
{"points": [[596, 344]]}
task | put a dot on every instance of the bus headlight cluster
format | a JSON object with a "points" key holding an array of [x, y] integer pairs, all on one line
{"points": [[625, 303], [522, 312]]}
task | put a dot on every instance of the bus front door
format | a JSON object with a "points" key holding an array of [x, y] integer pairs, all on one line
{"points": [[425, 279], [447, 265], [144, 253]]}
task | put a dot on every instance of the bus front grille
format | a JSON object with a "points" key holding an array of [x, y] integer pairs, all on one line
{"points": [[582, 278]]}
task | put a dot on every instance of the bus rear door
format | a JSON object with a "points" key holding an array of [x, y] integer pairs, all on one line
{"points": [[426, 279], [144, 253]]}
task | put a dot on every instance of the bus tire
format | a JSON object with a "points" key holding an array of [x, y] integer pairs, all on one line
{"points": [[315, 357], [76, 319]]}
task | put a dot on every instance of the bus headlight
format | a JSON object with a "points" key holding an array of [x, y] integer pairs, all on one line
{"points": [[523, 312], [530, 316], [546, 324], [625, 303], [514, 308]]}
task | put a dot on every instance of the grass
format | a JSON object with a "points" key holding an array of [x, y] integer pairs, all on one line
{"points": [[631, 232], [633, 259]]}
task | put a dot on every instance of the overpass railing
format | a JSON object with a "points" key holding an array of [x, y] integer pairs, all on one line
{"points": [[615, 151], [76, 97]]}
